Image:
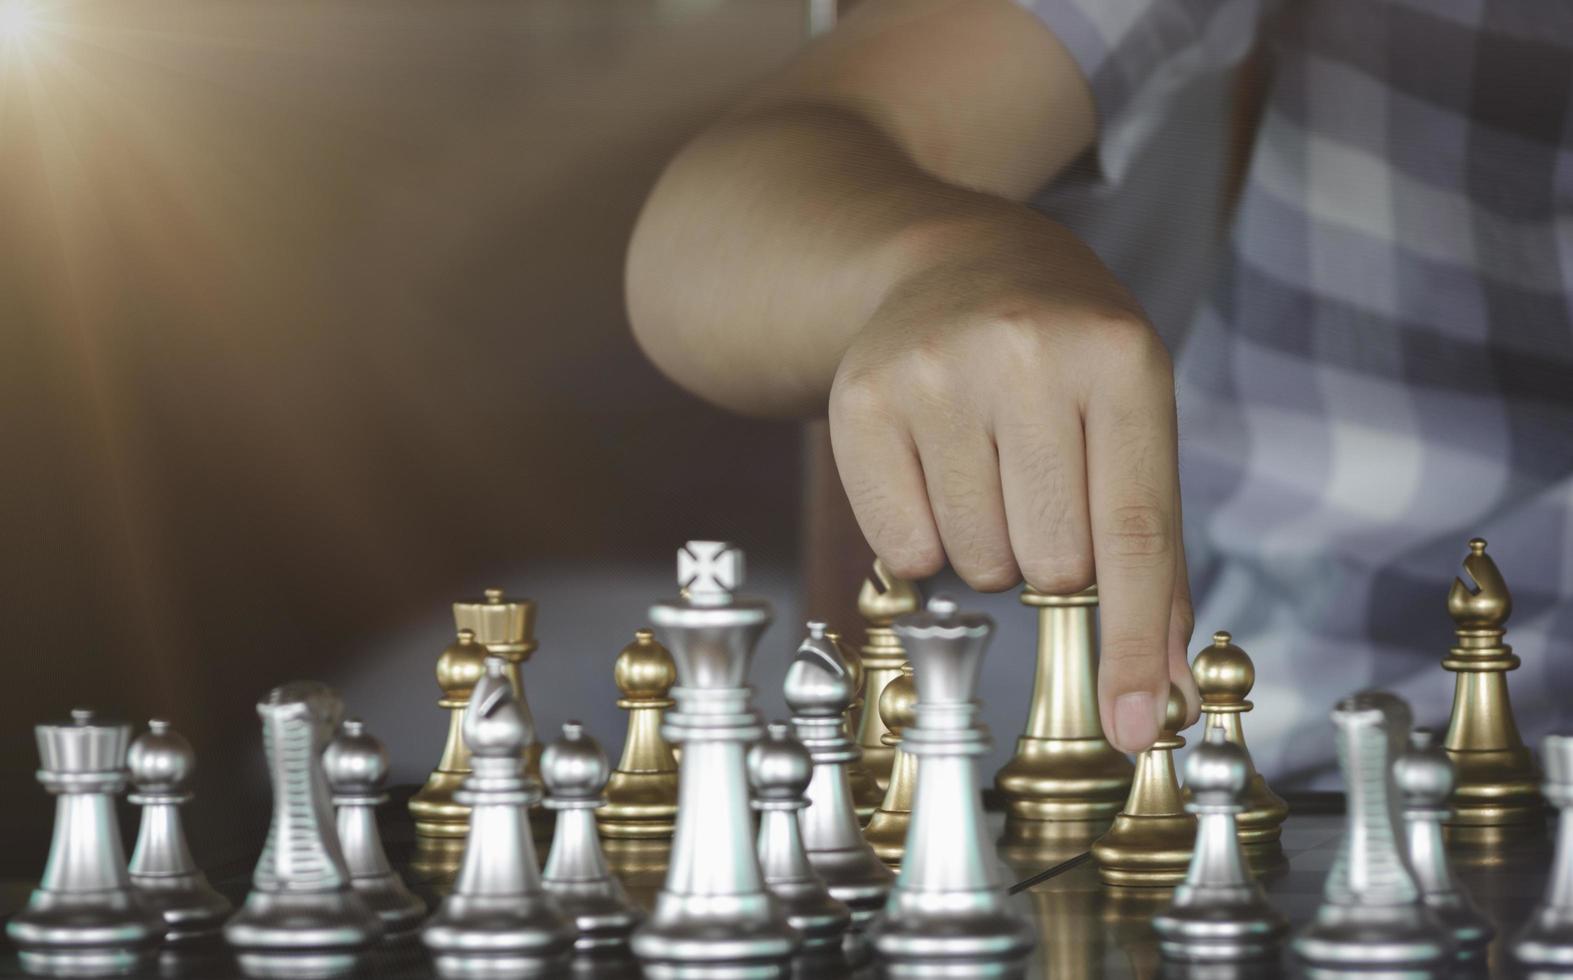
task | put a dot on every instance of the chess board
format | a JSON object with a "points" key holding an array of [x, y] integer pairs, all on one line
{"points": [[1086, 930]]}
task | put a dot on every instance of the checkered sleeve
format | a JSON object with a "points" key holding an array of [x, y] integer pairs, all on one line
{"points": [[1138, 54]]}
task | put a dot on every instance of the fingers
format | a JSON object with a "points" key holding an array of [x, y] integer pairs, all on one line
{"points": [[1042, 462], [884, 482], [962, 471], [1182, 621], [1132, 488]]}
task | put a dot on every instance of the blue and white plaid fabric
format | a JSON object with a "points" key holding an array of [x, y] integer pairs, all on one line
{"points": [[1385, 367]]}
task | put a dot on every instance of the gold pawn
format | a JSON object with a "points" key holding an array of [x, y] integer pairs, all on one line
{"points": [[866, 794], [506, 627], [1151, 841], [1498, 784], [642, 793], [1224, 676], [887, 829], [1064, 769], [441, 824], [882, 598]]}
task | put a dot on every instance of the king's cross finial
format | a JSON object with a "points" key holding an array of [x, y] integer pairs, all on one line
{"points": [[709, 571]]}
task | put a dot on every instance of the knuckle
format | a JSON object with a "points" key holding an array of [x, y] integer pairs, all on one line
{"points": [[1138, 532], [856, 395], [1134, 654], [1132, 345]]}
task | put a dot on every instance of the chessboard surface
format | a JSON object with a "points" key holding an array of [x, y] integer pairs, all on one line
{"points": [[1085, 928]]}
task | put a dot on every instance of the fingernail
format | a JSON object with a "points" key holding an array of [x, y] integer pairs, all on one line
{"points": [[1135, 721]]}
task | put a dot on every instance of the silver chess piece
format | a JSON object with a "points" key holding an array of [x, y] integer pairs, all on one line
{"points": [[949, 908], [302, 917], [162, 868], [1546, 941], [1372, 914], [1219, 913], [779, 769], [819, 686], [356, 765], [499, 920], [576, 771], [85, 919], [714, 913], [1424, 775]]}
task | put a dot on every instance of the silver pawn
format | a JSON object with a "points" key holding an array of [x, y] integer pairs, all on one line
{"points": [[1372, 914], [1424, 775], [162, 868], [949, 907], [779, 769], [356, 765], [302, 917], [575, 771], [498, 921], [1546, 940], [714, 914], [1219, 913], [819, 686], [85, 919]]}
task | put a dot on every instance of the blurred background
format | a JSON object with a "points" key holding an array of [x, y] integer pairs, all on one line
{"points": [[311, 322]]}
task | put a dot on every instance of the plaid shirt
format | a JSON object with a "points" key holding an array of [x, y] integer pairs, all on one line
{"points": [[1385, 367]]}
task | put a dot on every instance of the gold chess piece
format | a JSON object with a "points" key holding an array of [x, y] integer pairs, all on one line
{"points": [[1498, 784], [642, 794], [1064, 769], [882, 598], [506, 627], [1224, 676], [887, 829], [1151, 840], [866, 792], [441, 823]]}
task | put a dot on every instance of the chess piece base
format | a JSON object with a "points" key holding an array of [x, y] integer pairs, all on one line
{"points": [[1220, 931], [1393, 938], [191, 909], [855, 881], [65, 936], [1545, 943], [751, 941], [969, 942], [1146, 851], [1497, 788], [1261, 822], [1080, 779], [398, 908], [498, 936], [315, 934], [602, 916]]}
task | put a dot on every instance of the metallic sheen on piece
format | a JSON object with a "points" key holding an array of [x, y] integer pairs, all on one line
{"points": [[1424, 776], [1546, 940], [1498, 786], [506, 628], [575, 771], [1151, 841], [1219, 913], [867, 793], [949, 908], [779, 770], [1372, 915], [882, 598], [85, 919], [302, 917], [886, 832], [1064, 769], [356, 765], [162, 869], [498, 921], [442, 823], [641, 799], [714, 916], [818, 687], [1224, 677]]}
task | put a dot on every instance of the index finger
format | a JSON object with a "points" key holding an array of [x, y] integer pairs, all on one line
{"points": [[1132, 488]]}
